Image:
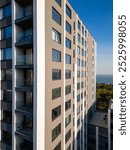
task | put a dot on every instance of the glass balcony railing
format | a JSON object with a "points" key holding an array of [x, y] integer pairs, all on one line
{"points": [[25, 12], [26, 36], [24, 60]]}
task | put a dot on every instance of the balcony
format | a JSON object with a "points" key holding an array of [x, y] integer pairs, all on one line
{"points": [[24, 17], [24, 39], [25, 145], [24, 2], [5, 22], [6, 126], [25, 110], [6, 105], [6, 64], [6, 84], [6, 43], [24, 62], [4, 2], [5, 146], [26, 133]]}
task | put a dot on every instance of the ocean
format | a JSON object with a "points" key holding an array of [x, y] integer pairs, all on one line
{"points": [[108, 79]]}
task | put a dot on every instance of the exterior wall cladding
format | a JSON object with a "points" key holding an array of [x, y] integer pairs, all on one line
{"points": [[47, 76]]}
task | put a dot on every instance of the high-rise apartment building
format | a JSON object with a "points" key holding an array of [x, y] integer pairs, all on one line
{"points": [[47, 76]]}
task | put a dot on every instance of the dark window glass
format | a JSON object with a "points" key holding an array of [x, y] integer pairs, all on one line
{"points": [[67, 89], [68, 27], [56, 132], [68, 74], [68, 59], [83, 30], [58, 2], [56, 74], [68, 136], [78, 62], [56, 16], [6, 95], [67, 105], [6, 32], [78, 98], [6, 54], [56, 55], [78, 86], [78, 122], [56, 93], [6, 74], [68, 43], [79, 25], [67, 120], [79, 37], [82, 41], [56, 36], [68, 11], [56, 112], [58, 147], [5, 12]]}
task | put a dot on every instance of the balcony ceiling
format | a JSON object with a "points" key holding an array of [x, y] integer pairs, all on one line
{"points": [[24, 2]]}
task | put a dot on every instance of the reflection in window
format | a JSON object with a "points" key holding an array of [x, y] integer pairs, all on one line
{"points": [[6, 54], [5, 12]]}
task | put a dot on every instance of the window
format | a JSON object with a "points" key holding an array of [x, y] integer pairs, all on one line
{"points": [[6, 54], [56, 112], [73, 39], [83, 30], [68, 74], [56, 132], [67, 136], [78, 86], [67, 89], [5, 12], [68, 11], [68, 27], [56, 74], [6, 32], [56, 36], [86, 34], [85, 44], [6, 95], [82, 41], [78, 50], [58, 147], [6, 74], [56, 55], [78, 98], [78, 74], [78, 62], [78, 122], [58, 2], [67, 120], [68, 43], [79, 25], [56, 93], [56, 16], [82, 84], [78, 110], [82, 52], [68, 59], [67, 105], [79, 37]]}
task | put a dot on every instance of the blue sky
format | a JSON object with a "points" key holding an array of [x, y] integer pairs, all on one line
{"points": [[97, 16]]}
